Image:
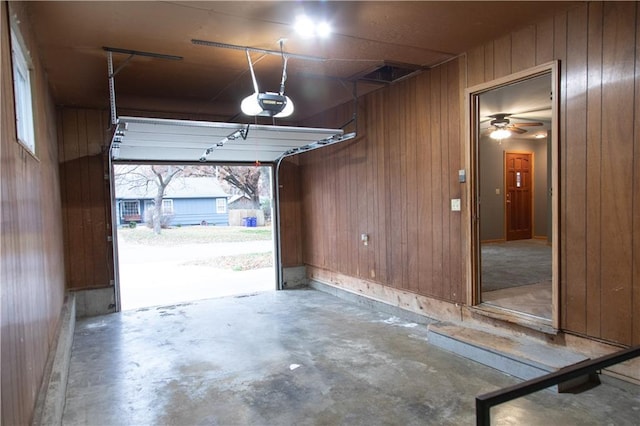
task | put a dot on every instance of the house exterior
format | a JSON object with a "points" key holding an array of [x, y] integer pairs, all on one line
{"points": [[187, 201], [56, 205], [240, 201]]}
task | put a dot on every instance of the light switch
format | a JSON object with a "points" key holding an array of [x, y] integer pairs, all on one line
{"points": [[497, 191], [455, 204]]}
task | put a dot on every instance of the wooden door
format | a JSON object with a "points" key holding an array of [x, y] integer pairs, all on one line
{"points": [[518, 195]]}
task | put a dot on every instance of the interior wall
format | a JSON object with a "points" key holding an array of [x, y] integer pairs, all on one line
{"points": [[32, 263], [290, 213], [86, 201], [395, 181], [492, 207], [597, 46]]}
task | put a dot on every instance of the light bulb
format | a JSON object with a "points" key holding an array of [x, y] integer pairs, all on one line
{"points": [[304, 26], [500, 134], [250, 105], [323, 29]]}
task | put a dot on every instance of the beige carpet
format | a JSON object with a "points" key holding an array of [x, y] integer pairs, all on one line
{"points": [[533, 299], [515, 263]]}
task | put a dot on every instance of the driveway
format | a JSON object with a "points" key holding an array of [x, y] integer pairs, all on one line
{"points": [[160, 276]]}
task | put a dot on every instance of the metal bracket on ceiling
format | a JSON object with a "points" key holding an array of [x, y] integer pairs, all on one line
{"points": [[112, 74], [240, 133], [257, 50], [354, 116]]}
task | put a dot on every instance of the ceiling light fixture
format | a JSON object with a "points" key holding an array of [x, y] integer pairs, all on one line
{"points": [[500, 134], [541, 135], [268, 104], [306, 28]]}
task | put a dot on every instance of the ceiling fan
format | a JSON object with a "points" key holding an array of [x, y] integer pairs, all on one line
{"points": [[501, 127]]}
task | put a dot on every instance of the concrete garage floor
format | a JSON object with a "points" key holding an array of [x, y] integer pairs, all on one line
{"points": [[294, 357]]}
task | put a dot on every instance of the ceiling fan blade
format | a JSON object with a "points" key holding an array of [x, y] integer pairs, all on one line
{"points": [[527, 124], [517, 130]]}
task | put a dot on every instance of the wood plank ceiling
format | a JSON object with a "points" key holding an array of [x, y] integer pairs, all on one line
{"points": [[209, 82]]}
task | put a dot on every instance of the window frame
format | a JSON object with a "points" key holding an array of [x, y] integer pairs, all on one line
{"points": [[167, 202], [123, 210], [23, 93], [221, 209]]}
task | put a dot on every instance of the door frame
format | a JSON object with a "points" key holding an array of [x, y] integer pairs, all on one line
{"points": [[275, 218], [472, 228], [531, 191]]}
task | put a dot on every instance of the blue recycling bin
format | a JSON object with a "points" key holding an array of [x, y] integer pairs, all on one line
{"points": [[253, 222]]}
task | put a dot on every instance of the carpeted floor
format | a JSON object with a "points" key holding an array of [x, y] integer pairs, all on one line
{"points": [[532, 299], [515, 263]]}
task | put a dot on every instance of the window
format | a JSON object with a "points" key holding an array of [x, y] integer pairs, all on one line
{"points": [[167, 206], [221, 205], [22, 93], [130, 210]]}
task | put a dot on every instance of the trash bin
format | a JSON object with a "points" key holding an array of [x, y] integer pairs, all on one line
{"points": [[246, 221], [253, 222]]}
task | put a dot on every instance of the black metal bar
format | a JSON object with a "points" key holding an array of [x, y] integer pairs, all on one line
{"points": [[139, 53], [257, 50], [485, 401]]}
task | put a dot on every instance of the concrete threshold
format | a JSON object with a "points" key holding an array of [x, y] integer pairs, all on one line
{"points": [[518, 356]]}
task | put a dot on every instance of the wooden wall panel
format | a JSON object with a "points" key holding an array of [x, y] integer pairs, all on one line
{"points": [[290, 213], [593, 181], [396, 180], [635, 309], [502, 56], [435, 191], [86, 201], [455, 162], [425, 205], [523, 49], [575, 162], [597, 46], [618, 47], [544, 41], [489, 62], [475, 66], [31, 261], [412, 183]]}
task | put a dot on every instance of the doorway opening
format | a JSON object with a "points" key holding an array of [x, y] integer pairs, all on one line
{"points": [[192, 232], [514, 208]]}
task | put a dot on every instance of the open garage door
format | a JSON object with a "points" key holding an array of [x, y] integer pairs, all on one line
{"points": [[150, 139], [139, 140]]}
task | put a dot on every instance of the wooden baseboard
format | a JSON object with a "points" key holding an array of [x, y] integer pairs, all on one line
{"points": [[471, 317]]}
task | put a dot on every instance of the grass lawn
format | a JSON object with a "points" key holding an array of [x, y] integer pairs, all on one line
{"points": [[193, 235], [240, 262]]}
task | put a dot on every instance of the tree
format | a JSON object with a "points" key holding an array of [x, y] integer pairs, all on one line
{"points": [[141, 176], [245, 179]]}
